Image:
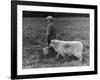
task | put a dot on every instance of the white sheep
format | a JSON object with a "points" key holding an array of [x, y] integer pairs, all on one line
{"points": [[67, 47]]}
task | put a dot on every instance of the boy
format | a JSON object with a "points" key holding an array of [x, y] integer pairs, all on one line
{"points": [[50, 30]]}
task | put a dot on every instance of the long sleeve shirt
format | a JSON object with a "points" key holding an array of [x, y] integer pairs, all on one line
{"points": [[50, 32]]}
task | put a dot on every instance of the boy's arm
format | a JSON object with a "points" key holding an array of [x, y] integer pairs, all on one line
{"points": [[48, 30]]}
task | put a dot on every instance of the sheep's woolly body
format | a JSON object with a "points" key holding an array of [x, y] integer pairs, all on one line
{"points": [[68, 47]]}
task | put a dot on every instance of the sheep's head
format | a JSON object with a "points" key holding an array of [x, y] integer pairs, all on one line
{"points": [[54, 43]]}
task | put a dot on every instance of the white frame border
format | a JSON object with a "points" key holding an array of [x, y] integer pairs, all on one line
{"points": [[21, 71]]}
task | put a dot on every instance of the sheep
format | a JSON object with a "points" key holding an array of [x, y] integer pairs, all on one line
{"points": [[67, 47]]}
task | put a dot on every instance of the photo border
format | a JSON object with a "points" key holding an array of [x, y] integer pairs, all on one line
{"points": [[14, 39]]}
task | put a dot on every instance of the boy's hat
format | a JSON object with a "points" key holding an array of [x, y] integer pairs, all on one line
{"points": [[49, 18]]}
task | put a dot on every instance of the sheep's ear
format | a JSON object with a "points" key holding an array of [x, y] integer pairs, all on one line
{"points": [[52, 41], [56, 42]]}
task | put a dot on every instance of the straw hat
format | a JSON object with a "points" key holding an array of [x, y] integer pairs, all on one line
{"points": [[49, 18]]}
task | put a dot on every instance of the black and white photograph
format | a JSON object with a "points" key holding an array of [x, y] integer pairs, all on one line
{"points": [[54, 39]]}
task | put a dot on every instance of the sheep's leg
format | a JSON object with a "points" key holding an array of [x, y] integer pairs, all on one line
{"points": [[78, 54], [63, 55], [57, 56], [80, 58]]}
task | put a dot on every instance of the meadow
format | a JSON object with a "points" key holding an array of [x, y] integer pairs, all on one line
{"points": [[67, 28]]}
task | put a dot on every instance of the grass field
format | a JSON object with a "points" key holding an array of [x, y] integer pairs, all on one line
{"points": [[68, 28]]}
